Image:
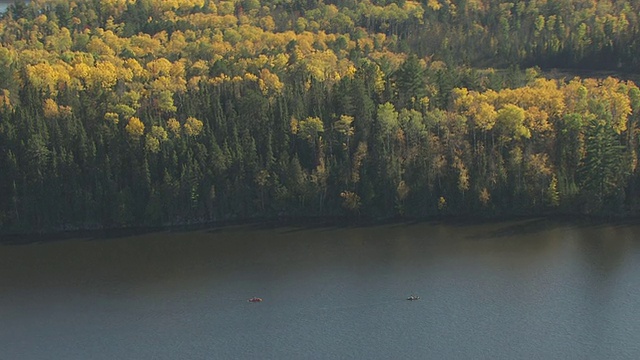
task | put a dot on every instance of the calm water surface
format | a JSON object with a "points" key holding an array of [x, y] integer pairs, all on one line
{"points": [[532, 289]]}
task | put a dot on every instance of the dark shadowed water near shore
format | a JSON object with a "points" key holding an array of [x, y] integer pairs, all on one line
{"points": [[533, 289]]}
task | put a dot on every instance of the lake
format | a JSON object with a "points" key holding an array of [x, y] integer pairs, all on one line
{"points": [[529, 289]]}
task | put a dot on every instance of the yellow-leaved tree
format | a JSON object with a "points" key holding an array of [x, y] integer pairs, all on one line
{"points": [[135, 128], [112, 118], [174, 126], [510, 121], [193, 126], [50, 109], [154, 138]]}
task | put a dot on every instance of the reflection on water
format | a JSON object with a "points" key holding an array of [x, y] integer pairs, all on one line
{"points": [[526, 289]]}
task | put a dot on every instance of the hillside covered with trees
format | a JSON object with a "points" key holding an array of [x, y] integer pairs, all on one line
{"points": [[154, 112]]}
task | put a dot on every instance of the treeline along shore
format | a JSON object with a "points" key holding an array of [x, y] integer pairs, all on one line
{"points": [[130, 113]]}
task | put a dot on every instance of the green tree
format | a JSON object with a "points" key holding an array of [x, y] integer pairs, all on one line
{"points": [[602, 171]]}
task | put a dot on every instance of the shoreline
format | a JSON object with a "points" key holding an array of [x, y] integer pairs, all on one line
{"points": [[25, 238]]}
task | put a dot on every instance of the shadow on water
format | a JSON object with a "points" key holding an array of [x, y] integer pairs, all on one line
{"points": [[29, 239], [532, 226], [127, 260], [507, 227], [288, 224], [118, 233], [518, 228]]}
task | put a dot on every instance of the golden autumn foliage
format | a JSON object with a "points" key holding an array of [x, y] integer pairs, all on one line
{"points": [[104, 75], [50, 108], [537, 107], [112, 118], [294, 125], [310, 128], [159, 133], [135, 127], [344, 125], [159, 67], [174, 126], [98, 47], [44, 77], [269, 82], [151, 144], [510, 121], [5, 99], [434, 5], [386, 107], [192, 126]]}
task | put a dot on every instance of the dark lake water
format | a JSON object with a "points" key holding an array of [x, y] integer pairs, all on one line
{"points": [[534, 289]]}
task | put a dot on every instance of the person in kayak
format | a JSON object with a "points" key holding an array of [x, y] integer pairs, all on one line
{"points": [[255, 299]]}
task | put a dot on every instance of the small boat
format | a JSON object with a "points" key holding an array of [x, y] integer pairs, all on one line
{"points": [[255, 300], [413, 297]]}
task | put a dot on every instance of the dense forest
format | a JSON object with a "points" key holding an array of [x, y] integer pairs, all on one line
{"points": [[156, 112]]}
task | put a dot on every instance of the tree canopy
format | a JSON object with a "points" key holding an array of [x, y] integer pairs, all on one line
{"points": [[149, 112]]}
